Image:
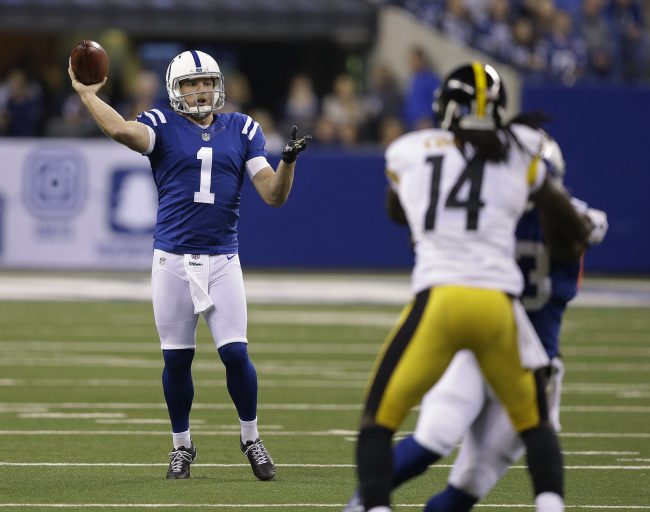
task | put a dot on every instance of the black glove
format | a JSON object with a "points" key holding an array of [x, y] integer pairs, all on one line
{"points": [[294, 146]]}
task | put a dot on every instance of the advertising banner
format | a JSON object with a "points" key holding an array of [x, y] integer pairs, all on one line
{"points": [[91, 205], [71, 205]]}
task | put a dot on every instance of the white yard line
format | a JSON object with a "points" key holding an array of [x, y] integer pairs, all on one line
{"points": [[216, 406], [608, 367], [283, 433], [182, 506], [268, 367], [636, 390], [629, 391], [606, 408], [327, 288], [108, 383], [46, 407], [10, 346], [315, 466], [597, 453]]}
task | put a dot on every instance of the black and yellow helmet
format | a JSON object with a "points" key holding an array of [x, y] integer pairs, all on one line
{"points": [[472, 97]]}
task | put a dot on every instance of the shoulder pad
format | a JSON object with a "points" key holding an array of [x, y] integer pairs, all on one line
{"points": [[532, 139]]}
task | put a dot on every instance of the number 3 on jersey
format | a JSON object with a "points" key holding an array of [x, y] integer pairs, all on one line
{"points": [[204, 195], [535, 264], [473, 204]]}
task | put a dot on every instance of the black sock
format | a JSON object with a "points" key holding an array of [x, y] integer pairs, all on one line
{"points": [[374, 463], [544, 458]]}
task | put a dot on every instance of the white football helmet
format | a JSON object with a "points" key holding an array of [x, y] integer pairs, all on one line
{"points": [[190, 65]]}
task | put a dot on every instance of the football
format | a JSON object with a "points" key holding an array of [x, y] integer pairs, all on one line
{"points": [[89, 62]]}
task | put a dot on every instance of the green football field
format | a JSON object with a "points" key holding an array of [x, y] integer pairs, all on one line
{"points": [[83, 423]]}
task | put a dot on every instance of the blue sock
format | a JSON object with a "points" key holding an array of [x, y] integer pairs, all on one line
{"points": [[178, 387], [241, 379], [410, 459], [451, 500]]}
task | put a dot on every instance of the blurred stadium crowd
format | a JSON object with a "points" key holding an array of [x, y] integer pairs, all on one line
{"points": [[345, 116], [557, 40], [563, 41]]}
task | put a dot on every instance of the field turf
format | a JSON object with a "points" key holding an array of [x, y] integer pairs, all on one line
{"points": [[83, 424]]}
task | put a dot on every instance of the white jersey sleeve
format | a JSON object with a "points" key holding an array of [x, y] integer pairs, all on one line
{"points": [[532, 142]]}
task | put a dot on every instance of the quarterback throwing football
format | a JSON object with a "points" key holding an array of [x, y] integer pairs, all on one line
{"points": [[199, 159]]}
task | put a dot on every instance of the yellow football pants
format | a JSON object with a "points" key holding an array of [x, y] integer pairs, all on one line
{"points": [[437, 324]]}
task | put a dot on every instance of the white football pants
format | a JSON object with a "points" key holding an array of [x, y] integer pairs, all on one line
{"points": [[184, 286], [462, 406]]}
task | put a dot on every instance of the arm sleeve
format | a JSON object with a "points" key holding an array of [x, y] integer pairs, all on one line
{"points": [[255, 144], [536, 174], [153, 120], [395, 164], [533, 143]]}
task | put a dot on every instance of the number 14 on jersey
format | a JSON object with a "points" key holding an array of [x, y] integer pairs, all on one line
{"points": [[473, 174]]}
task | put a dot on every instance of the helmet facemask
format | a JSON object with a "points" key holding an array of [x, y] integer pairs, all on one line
{"points": [[179, 101]]}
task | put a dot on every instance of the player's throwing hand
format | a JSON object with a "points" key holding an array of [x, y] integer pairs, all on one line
{"points": [[294, 146], [80, 87]]}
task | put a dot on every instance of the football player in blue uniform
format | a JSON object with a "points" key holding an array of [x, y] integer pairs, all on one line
{"points": [[463, 406], [199, 159]]}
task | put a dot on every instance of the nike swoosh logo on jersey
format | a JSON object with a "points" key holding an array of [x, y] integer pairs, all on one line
{"points": [[230, 256]]}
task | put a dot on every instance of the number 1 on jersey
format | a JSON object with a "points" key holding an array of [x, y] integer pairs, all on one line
{"points": [[430, 218], [204, 195]]}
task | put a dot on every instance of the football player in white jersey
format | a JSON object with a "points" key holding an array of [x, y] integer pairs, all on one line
{"points": [[462, 189], [199, 159], [461, 405]]}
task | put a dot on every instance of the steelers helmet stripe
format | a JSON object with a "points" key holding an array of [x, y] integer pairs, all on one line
{"points": [[480, 79]]}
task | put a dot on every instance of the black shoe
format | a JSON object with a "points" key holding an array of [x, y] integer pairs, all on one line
{"points": [[179, 465], [261, 462]]}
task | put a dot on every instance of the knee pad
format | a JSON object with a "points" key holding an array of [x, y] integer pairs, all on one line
{"points": [[177, 361], [234, 355]]}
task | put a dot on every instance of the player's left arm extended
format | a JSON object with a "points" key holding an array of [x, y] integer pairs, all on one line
{"points": [[274, 187]]}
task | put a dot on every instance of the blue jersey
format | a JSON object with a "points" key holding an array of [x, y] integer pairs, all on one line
{"points": [[199, 174], [549, 285]]}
